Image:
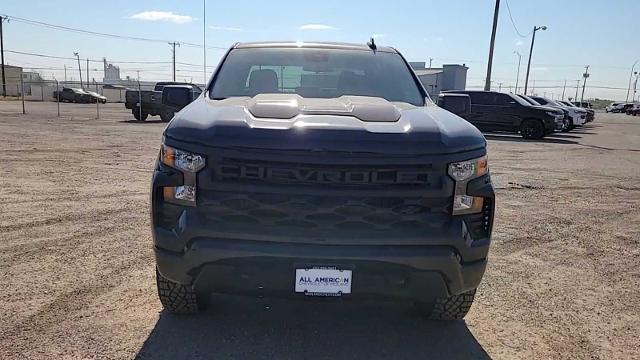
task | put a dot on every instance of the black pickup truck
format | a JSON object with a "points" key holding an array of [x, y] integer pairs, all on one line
{"points": [[151, 101], [319, 169], [495, 111]]}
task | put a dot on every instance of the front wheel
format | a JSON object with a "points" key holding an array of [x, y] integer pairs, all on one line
{"points": [[176, 298], [532, 129], [448, 308]]}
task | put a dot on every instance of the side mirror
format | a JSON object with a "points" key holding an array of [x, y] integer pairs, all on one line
{"points": [[457, 104], [178, 96]]}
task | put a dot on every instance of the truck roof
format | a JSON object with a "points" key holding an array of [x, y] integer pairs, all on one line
{"points": [[314, 44]]}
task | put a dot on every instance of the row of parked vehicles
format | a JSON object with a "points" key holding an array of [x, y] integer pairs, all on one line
{"points": [[80, 96], [629, 108], [533, 117]]}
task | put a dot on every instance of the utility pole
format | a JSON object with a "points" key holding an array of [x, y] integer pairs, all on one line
{"points": [[577, 86], [87, 72], [79, 69], [563, 89], [635, 87], [487, 84], [518, 71], [204, 40], [430, 61], [4, 81], [499, 87], [173, 45], [65, 74], [533, 40], [628, 89], [584, 83]]}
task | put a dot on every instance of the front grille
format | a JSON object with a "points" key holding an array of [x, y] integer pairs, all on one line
{"points": [[261, 211]]}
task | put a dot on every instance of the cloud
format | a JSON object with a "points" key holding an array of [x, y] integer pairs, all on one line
{"points": [[224, 28], [378, 36], [519, 42], [169, 16], [316, 27]]}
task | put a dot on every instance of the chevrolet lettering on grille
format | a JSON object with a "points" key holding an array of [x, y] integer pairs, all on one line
{"points": [[320, 176]]}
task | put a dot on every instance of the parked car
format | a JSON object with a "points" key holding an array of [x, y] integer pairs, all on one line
{"points": [[152, 101], [495, 111], [95, 97], [614, 107], [565, 120], [352, 184], [576, 116], [582, 104], [626, 107], [634, 110], [72, 95], [591, 114]]}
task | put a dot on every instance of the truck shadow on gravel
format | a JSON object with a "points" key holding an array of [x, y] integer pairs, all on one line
{"points": [[134, 121], [244, 328], [552, 139]]}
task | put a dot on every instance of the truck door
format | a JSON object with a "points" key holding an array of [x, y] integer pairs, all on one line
{"points": [[507, 112], [483, 110]]}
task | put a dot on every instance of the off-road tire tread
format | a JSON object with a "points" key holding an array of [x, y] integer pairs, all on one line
{"points": [[176, 298], [454, 307]]}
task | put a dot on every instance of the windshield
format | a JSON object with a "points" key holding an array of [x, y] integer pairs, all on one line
{"points": [[316, 73], [529, 100], [519, 100]]}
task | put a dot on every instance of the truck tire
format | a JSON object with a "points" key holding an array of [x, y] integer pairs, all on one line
{"points": [[176, 298], [136, 114], [166, 115], [532, 129], [450, 308]]}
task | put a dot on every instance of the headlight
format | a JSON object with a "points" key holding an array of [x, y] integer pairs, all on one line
{"points": [[465, 170], [462, 172], [189, 164], [181, 160]]}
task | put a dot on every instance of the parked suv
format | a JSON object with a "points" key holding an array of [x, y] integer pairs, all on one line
{"points": [[72, 95], [319, 169], [591, 114], [495, 111], [576, 116]]}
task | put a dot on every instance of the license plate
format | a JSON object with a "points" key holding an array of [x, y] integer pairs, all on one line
{"points": [[323, 281]]}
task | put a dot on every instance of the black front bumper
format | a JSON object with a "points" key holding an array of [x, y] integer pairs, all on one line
{"points": [[258, 268]]}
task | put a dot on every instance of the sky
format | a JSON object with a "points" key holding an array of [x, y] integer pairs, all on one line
{"points": [[602, 34]]}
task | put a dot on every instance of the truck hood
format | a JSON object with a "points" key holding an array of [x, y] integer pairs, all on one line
{"points": [[348, 123]]}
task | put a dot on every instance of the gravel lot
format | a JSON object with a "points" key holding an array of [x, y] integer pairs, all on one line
{"points": [[77, 267]]}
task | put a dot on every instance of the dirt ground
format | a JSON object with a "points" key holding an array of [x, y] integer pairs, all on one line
{"points": [[77, 267]]}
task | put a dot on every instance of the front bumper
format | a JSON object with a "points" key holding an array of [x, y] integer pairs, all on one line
{"points": [[257, 268]]}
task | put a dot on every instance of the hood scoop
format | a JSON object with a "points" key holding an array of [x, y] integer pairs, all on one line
{"points": [[285, 106]]}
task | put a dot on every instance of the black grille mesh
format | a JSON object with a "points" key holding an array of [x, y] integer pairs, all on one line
{"points": [[324, 213]]}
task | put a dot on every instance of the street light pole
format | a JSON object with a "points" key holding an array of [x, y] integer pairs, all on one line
{"points": [[518, 71], [630, 78], [533, 39], [584, 83], [487, 84], [79, 68]]}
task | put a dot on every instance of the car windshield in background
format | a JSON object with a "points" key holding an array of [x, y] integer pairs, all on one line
{"points": [[316, 73]]}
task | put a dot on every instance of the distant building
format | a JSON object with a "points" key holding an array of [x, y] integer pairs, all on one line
{"points": [[12, 75], [32, 77], [111, 73], [435, 80]]}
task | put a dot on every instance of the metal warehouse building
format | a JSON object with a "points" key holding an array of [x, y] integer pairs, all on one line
{"points": [[435, 80]]}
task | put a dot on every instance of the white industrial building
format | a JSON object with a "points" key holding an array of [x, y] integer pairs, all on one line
{"points": [[435, 80]]}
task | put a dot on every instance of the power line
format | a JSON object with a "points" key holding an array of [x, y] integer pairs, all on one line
{"points": [[513, 22], [100, 61], [101, 34]]}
